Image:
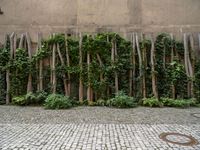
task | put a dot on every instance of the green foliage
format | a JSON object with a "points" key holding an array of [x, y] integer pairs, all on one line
{"points": [[30, 99], [35, 98], [121, 100], [99, 45], [4, 57], [57, 101], [100, 102], [197, 80], [176, 72], [20, 68], [182, 103], [19, 100], [152, 102]]}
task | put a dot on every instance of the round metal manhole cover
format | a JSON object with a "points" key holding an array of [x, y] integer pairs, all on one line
{"points": [[197, 115], [180, 139]]}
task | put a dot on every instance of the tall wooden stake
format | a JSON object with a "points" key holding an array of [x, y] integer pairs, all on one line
{"points": [[81, 69], [68, 65], [40, 63], [140, 60], [154, 85], [64, 75], [54, 69], [29, 85], [172, 59]]}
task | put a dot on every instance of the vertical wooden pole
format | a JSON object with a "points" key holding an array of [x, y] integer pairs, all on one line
{"points": [[154, 85], [64, 75], [140, 60], [21, 41], [89, 82], [81, 69], [40, 63], [134, 63], [68, 65], [29, 85], [193, 58], [54, 68], [8, 70], [116, 75], [172, 59], [144, 70]]}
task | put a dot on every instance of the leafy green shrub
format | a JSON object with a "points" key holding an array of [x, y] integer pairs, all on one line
{"points": [[84, 103], [19, 100], [183, 103], [35, 98], [75, 102], [41, 96], [57, 101], [30, 98], [121, 100], [100, 102], [152, 102]]}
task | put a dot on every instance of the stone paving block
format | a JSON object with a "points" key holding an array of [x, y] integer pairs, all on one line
{"points": [[92, 136]]}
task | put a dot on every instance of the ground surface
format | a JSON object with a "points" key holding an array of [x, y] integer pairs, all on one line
{"points": [[95, 128]]}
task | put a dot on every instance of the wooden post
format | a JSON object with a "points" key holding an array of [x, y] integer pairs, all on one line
{"points": [[68, 65], [64, 75], [29, 85], [140, 60], [113, 55], [164, 53], [144, 70], [54, 68], [81, 69], [199, 41], [134, 63], [40, 85], [8, 70], [154, 85], [89, 82], [172, 59], [188, 65], [21, 41], [192, 64], [116, 75]]}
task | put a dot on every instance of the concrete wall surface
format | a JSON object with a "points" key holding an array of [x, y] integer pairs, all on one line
{"points": [[123, 16]]}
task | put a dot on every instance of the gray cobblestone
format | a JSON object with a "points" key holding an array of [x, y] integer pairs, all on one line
{"points": [[95, 128], [91, 136], [140, 115]]}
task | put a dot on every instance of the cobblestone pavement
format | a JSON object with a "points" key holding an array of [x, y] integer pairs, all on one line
{"points": [[59, 131], [91, 136], [140, 115]]}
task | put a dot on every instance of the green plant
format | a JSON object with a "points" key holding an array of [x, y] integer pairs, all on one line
{"points": [[19, 100], [182, 103], [121, 100], [30, 98], [57, 101], [100, 102], [35, 98], [152, 102]]}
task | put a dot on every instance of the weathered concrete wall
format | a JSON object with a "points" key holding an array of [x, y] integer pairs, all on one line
{"points": [[99, 15]]}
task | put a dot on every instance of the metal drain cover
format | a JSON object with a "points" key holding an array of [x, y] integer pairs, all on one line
{"points": [[180, 139]]}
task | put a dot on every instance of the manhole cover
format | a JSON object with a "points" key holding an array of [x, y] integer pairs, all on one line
{"points": [[197, 115], [180, 139]]}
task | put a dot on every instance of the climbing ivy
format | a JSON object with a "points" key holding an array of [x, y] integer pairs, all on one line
{"points": [[102, 70]]}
